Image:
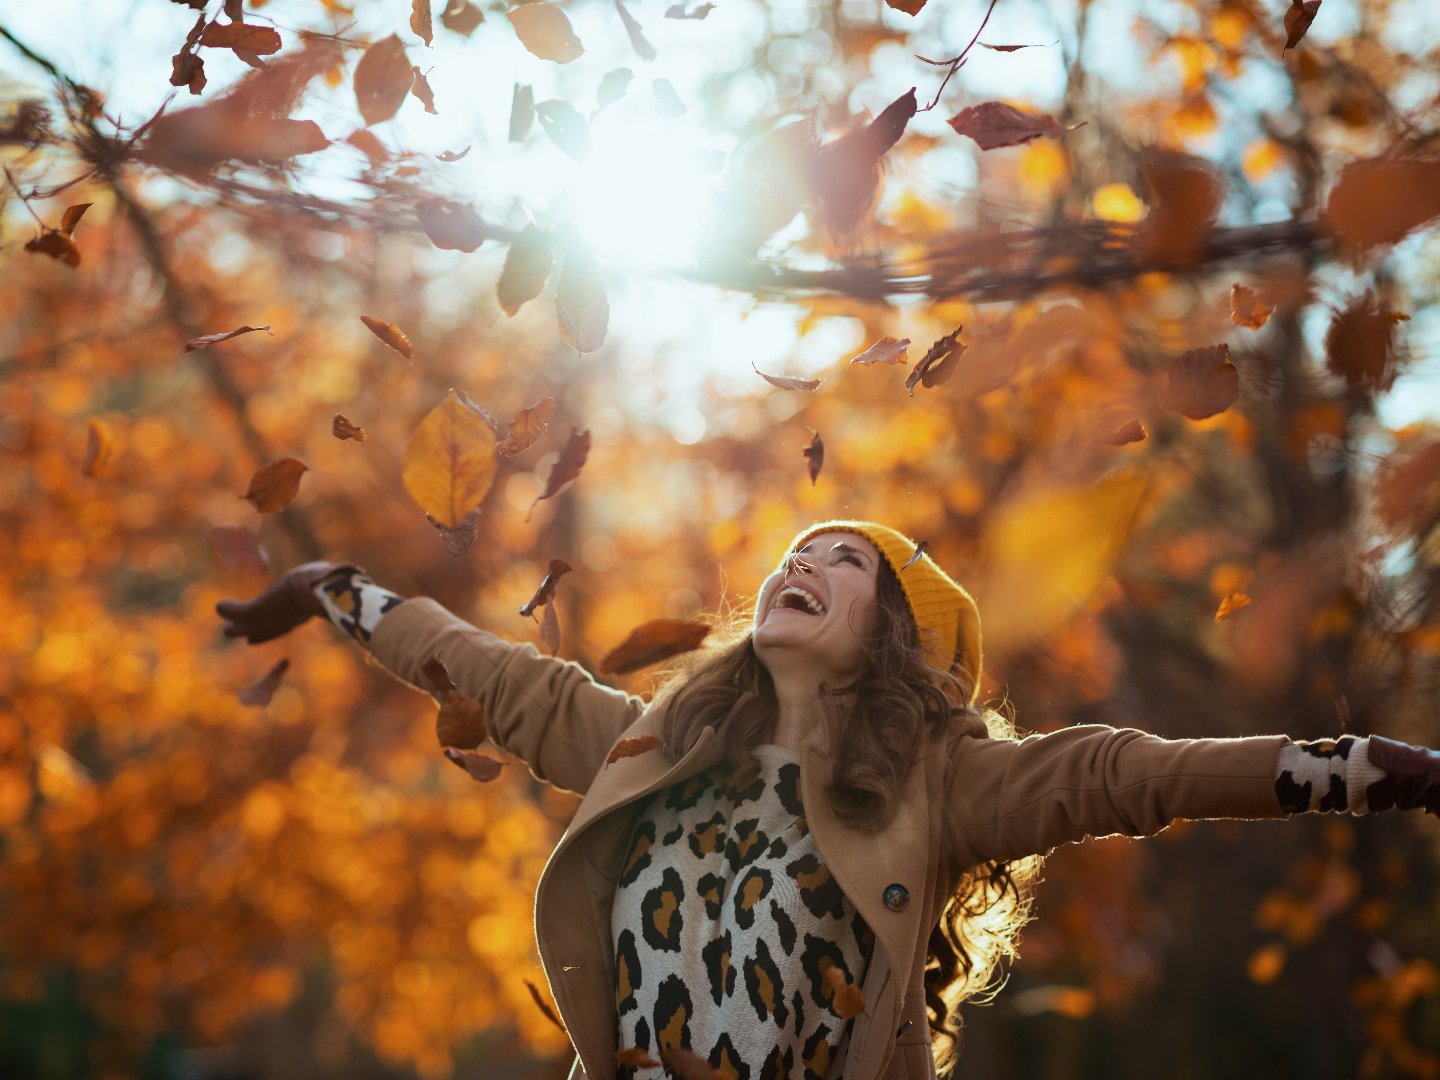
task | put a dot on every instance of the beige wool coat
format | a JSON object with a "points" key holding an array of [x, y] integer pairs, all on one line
{"points": [[988, 799]]}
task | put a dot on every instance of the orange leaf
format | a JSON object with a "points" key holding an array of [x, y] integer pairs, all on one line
{"points": [[1408, 488], [635, 1058], [461, 722], [995, 124], [238, 547], [546, 32], [462, 17], [786, 382], [1185, 197], [382, 79], [529, 424], [1132, 431], [633, 747], [421, 24], [544, 1007], [1232, 603], [652, 642], [263, 689], [1246, 308], [72, 217], [437, 674], [450, 462], [451, 226], [1382, 200], [262, 40], [887, 350], [206, 340], [581, 307], [99, 445], [57, 245], [846, 1000], [546, 592], [814, 455], [342, 428], [420, 87], [527, 265], [937, 365], [1360, 345], [688, 1065], [909, 7], [482, 769], [390, 334], [1202, 382], [1297, 21], [274, 486], [366, 141], [566, 468]]}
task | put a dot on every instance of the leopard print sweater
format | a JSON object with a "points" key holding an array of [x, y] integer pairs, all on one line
{"points": [[726, 920]]}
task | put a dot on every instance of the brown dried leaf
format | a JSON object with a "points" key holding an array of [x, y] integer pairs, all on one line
{"points": [[238, 547], [482, 769], [1185, 197], [688, 1065], [366, 141], [566, 468], [206, 340], [550, 630], [273, 487], [546, 592], [99, 445], [1360, 345], [72, 217], [633, 1056], [887, 350], [544, 1007], [846, 999], [679, 11], [844, 174], [390, 334], [1407, 488], [1298, 18], [787, 382], [459, 538], [438, 675], [1231, 604], [1129, 432], [382, 79], [643, 48], [919, 551], [994, 124], [188, 70], [529, 424], [1382, 200], [545, 31], [814, 455], [57, 245], [449, 462], [581, 307], [260, 40], [522, 111], [452, 155], [193, 142], [460, 722], [342, 428], [420, 87], [652, 642], [451, 226], [1246, 308], [263, 689], [1202, 382], [1010, 48], [633, 747], [461, 17], [527, 265], [938, 364], [421, 24]]}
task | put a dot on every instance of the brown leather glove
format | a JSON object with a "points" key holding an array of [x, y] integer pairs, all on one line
{"points": [[287, 602], [1412, 777]]}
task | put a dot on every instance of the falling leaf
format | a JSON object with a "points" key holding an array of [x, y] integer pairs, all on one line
{"points": [[636, 1058], [438, 676], [550, 630], [420, 87], [679, 11], [642, 48], [421, 24], [1232, 603], [458, 538], [482, 769], [1010, 48], [937, 365], [1298, 18], [1360, 345], [522, 111], [612, 88], [527, 265], [1382, 200], [57, 245], [382, 79], [1129, 432], [99, 445], [451, 226], [566, 468], [667, 100], [909, 7], [342, 428], [887, 350], [365, 140], [206, 340], [390, 334], [1407, 488], [1202, 382], [566, 127], [633, 747], [263, 689], [844, 175], [186, 68], [581, 307], [1246, 308], [846, 999], [461, 17], [546, 592], [451, 155], [544, 1007], [194, 142], [1185, 197], [814, 455], [261, 40], [652, 642], [72, 217], [995, 124], [483, 414], [529, 424], [238, 547], [274, 486], [449, 462], [786, 382], [919, 551], [688, 1065], [546, 32], [460, 722]]}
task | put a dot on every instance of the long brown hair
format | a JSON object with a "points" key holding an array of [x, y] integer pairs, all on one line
{"points": [[884, 716]]}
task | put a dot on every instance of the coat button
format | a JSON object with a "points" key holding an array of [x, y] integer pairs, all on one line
{"points": [[896, 897]]}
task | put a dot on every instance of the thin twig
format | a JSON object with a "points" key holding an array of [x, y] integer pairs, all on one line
{"points": [[23, 199], [955, 63]]}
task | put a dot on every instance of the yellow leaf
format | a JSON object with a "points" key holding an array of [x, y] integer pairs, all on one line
{"points": [[546, 31], [450, 462], [1232, 603]]}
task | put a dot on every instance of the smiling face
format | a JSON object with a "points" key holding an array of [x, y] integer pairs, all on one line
{"points": [[818, 607]]}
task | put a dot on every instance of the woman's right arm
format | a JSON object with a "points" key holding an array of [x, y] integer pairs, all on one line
{"points": [[549, 713]]}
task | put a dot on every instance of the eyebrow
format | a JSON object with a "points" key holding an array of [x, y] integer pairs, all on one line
{"points": [[839, 546]]}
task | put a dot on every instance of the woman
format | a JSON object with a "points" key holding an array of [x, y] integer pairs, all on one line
{"points": [[828, 809]]}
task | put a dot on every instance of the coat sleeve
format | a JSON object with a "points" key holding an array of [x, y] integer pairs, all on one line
{"points": [[549, 713], [1006, 798]]}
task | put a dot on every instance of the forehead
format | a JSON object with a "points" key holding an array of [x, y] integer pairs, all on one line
{"points": [[821, 543]]}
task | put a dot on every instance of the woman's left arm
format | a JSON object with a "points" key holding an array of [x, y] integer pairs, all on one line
{"points": [[1006, 799]]}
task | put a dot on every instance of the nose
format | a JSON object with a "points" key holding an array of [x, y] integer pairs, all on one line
{"points": [[796, 564]]}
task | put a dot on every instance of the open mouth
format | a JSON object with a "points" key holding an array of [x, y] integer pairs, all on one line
{"points": [[794, 598]]}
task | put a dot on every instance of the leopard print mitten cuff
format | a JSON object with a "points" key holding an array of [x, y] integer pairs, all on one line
{"points": [[354, 603], [1327, 775]]}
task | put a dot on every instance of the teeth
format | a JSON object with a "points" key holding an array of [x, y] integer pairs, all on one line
{"points": [[806, 599]]}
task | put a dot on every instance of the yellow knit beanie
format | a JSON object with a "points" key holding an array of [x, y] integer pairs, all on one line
{"points": [[947, 616]]}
